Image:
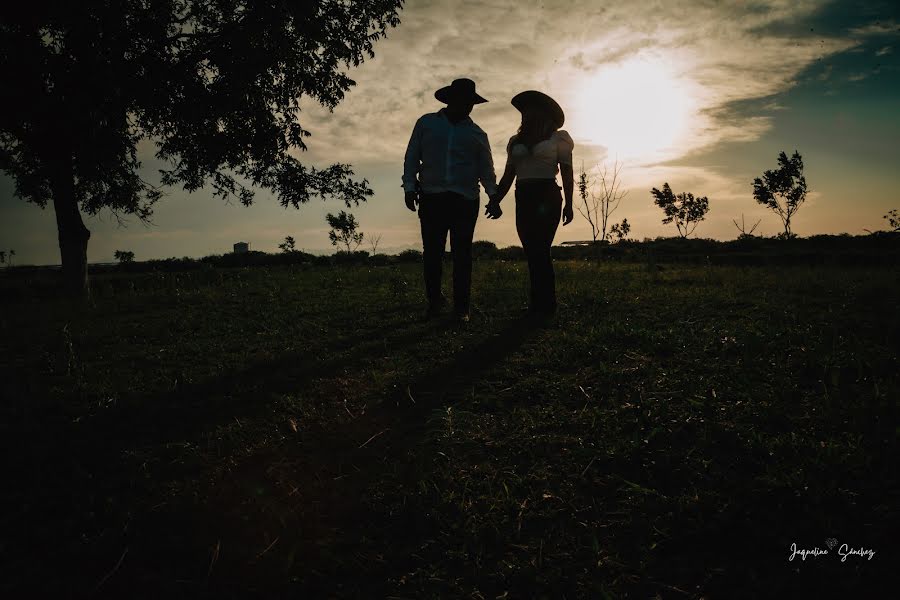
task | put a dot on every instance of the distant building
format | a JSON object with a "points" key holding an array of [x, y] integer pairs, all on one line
{"points": [[242, 247]]}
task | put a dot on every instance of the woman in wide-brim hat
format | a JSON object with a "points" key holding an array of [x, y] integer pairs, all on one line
{"points": [[535, 154]]}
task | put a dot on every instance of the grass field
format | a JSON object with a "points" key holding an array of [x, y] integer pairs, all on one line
{"points": [[299, 431]]}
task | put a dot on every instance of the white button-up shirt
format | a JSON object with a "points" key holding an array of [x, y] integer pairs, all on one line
{"points": [[448, 157]]}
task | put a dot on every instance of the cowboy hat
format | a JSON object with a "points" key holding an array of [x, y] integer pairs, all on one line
{"points": [[461, 90], [535, 99]]}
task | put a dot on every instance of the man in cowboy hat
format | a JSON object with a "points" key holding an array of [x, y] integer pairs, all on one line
{"points": [[447, 156]]}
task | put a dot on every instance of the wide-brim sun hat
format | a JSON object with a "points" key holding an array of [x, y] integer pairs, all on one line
{"points": [[461, 90], [540, 100]]}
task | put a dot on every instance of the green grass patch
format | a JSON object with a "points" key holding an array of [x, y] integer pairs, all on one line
{"points": [[299, 429]]}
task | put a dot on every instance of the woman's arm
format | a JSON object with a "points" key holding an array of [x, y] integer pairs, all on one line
{"points": [[492, 210], [568, 179], [509, 173], [564, 154]]}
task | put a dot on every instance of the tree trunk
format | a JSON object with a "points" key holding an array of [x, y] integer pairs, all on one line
{"points": [[73, 235]]}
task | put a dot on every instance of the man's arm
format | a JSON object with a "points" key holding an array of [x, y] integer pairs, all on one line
{"points": [[413, 158], [486, 166], [411, 163]]}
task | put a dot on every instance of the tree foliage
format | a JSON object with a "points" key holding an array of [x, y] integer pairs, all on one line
{"points": [[893, 219], [124, 256], [621, 230], [782, 190], [684, 210], [344, 230], [289, 245], [214, 85]]}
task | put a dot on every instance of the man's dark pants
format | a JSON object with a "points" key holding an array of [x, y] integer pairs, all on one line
{"points": [[439, 214]]}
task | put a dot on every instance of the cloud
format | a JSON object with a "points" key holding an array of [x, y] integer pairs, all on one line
{"points": [[877, 28], [715, 55], [717, 69], [825, 75]]}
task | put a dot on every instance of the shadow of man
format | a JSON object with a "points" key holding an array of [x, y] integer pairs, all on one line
{"points": [[452, 381]]}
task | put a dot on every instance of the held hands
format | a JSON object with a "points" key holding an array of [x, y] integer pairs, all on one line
{"points": [[492, 209], [412, 198], [567, 214]]}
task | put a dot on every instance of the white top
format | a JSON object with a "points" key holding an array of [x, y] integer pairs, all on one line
{"points": [[448, 157], [542, 162]]}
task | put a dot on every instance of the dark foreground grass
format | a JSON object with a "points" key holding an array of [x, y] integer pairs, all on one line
{"points": [[298, 432]]}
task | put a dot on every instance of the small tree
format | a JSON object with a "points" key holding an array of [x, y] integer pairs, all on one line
{"points": [[787, 183], [893, 219], [743, 228], [597, 205], [684, 210], [343, 230], [2, 257], [374, 240], [621, 230], [124, 256], [11, 254], [288, 246]]}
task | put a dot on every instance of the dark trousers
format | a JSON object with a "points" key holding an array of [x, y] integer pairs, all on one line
{"points": [[438, 215], [538, 210]]}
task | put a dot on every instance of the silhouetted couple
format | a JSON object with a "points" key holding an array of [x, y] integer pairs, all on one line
{"points": [[448, 155]]}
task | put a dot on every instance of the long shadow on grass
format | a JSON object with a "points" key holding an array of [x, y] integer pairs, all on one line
{"points": [[317, 495], [191, 409], [146, 422], [309, 497], [53, 469]]}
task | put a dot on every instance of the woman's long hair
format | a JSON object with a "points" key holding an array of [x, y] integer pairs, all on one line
{"points": [[536, 127]]}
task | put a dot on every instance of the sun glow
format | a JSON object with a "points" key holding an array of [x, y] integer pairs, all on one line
{"points": [[639, 110]]}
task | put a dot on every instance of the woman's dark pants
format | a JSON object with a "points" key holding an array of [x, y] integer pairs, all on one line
{"points": [[538, 210], [438, 215]]}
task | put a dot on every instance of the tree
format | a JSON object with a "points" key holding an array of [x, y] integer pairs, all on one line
{"points": [[620, 230], [374, 240], [124, 256], [343, 230], [2, 256], [11, 254], [786, 182], [288, 246], [214, 84], [893, 219], [684, 210], [743, 228], [597, 206]]}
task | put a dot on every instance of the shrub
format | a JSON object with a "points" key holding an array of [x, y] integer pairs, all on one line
{"points": [[409, 255], [484, 249]]}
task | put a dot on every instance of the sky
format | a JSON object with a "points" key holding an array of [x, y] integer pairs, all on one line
{"points": [[701, 94]]}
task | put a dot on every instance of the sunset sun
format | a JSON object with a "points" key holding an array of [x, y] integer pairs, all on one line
{"points": [[638, 110]]}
